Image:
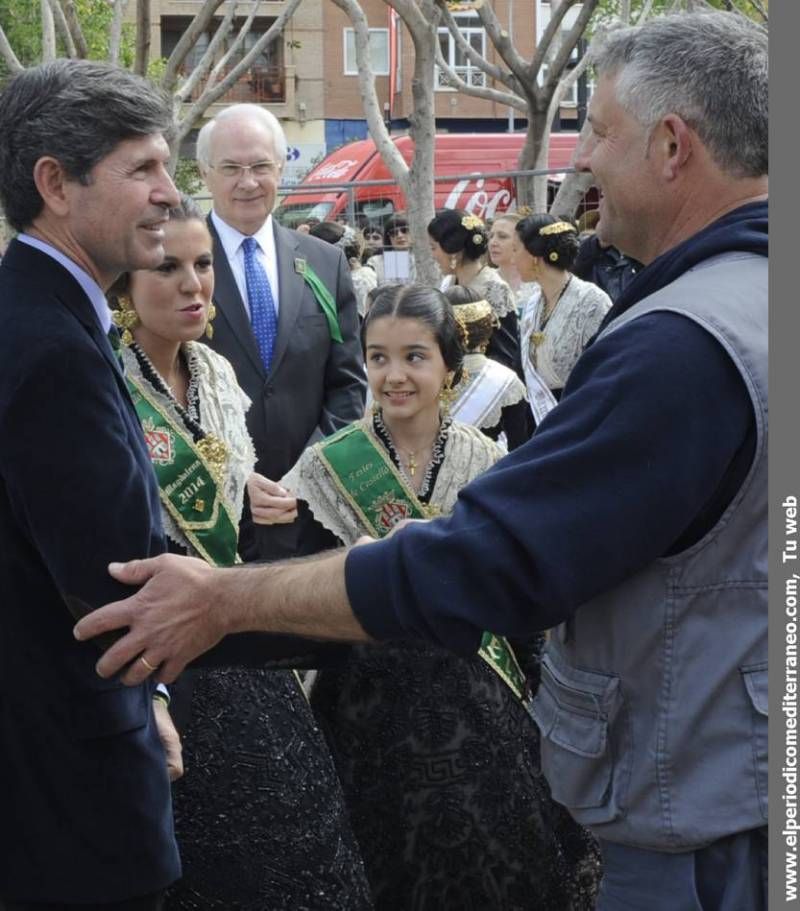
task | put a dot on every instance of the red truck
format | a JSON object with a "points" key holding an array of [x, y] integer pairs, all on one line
{"points": [[456, 154]]}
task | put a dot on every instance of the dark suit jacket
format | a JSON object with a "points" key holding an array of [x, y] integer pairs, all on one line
{"points": [[85, 810], [315, 386]]}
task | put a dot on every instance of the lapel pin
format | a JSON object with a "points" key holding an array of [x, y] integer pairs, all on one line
{"points": [[300, 266]]}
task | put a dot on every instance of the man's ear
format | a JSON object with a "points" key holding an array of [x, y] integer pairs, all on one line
{"points": [[51, 179], [675, 138]]}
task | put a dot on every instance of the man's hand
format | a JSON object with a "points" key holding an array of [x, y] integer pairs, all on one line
{"points": [[170, 739], [270, 504], [174, 618]]}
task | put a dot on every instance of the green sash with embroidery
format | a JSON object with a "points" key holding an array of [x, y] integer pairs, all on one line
{"points": [[188, 483], [370, 482]]}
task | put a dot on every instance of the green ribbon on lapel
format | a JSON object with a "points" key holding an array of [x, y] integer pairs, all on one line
{"points": [[324, 298]]}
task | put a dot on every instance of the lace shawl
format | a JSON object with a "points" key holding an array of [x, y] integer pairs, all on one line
{"points": [[467, 454], [492, 287], [575, 319], [223, 406]]}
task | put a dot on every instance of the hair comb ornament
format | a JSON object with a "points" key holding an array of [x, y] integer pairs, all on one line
{"points": [[472, 223], [558, 227]]}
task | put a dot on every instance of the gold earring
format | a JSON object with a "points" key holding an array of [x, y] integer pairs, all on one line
{"points": [[212, 312], [453, 263], [125, 318], [446, 396], [375, 408]]}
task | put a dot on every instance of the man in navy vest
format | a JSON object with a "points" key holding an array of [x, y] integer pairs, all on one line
{"points": [[634, 520], [85, 813]]}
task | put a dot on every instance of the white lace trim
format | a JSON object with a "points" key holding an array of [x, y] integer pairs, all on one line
{"points": [[467, 454], [223, 406]]}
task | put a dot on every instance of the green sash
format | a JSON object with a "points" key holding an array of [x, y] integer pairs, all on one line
{"points": [[370, 482], [188, 483], [324, 297]]}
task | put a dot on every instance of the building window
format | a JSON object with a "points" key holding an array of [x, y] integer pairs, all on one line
{"points": [[265, 81], [474, 34], [378, 52]]}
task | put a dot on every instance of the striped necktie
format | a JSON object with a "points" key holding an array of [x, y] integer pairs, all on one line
{"points": [[262, 303]]}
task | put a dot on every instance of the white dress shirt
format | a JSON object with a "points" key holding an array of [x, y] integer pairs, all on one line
{"points": [[232, 240]]}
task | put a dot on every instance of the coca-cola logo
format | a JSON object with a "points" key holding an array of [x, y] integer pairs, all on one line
{"points": [[333, 171], [471, 196]]}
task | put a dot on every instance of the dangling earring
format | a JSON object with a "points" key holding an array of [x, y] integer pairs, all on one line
{"points": [[453, 263], [212, 312], [125, 318], [375, 408], [446, 396]]}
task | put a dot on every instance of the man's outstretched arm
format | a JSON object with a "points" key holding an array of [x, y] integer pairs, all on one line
{"points": [[185, 607]]}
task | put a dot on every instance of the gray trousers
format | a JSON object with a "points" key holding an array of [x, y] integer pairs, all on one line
{"points": [[727, 875]]}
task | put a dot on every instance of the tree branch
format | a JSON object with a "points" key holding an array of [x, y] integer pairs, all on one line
{"points": [[409, 12], [502, 42], [142, 37], [187, 41], [71, 15], [63, 28], [492, 71], [545, 45], [234, 48], [209, 96], [115, 30], [48, 32], [506, 98], [204, 64], [556, 67], [7, 53], [564, 85]]}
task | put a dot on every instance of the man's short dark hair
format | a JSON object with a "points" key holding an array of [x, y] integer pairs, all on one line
{"points": [[76, 111]]}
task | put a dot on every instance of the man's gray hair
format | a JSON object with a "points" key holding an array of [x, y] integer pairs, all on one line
{"points": [[77, 112], [711, 69], [241, 111]]}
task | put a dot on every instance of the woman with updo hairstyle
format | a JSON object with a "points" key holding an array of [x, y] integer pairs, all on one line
{"points": [[351, 242], [459, 243], [243, 843], [562, 314], [434, 750], [502, 245], [490, 395]]}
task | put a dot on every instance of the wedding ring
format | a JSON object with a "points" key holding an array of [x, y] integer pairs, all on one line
{"points": [[147, 664]]}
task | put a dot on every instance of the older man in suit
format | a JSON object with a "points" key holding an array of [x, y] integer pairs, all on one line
{"points": [[286, 316], [85, 815]]}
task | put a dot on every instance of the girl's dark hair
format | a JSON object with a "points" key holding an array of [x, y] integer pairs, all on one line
{"points": [[447, 228], [329, 231], [186, 210], [429, 306], [341, 235], [475, 333], [398, 220], [557, 250]]}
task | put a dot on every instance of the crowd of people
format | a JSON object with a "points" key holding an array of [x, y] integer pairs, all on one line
{"points": [[500, 640]]}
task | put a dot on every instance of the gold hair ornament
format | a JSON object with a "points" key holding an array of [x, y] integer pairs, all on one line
{"points": [[553, 256], [558, 227], [472, 223]]}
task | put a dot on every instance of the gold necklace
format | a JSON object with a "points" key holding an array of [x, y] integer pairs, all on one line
{"points": [[411, 463], [538, 337]]}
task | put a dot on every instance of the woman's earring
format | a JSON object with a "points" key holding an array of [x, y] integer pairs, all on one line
{"points": [[212, 312], [453, 263], [125, 318], [446, 396]]}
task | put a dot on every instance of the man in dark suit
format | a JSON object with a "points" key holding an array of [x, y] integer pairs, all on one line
{"points": [[85, 815], [304, 382]]}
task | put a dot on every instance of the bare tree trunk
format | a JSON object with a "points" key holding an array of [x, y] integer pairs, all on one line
{"points": [[48, 32], [142, 37], [63, 28], [115, 31], [8, 55], [71, 15]]}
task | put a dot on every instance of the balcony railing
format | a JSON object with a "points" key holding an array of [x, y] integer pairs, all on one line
{"points": [[470, 75], [259, 85]]}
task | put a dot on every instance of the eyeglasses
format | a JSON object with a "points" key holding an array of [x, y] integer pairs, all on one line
{"points": [[258, 169], [398, 230]]}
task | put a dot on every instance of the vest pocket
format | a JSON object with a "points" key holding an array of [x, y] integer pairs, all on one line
{"points": [[574, 710], [756, 683]]}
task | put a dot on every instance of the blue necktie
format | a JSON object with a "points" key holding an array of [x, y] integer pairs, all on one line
{"points": [[262, 303]]}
